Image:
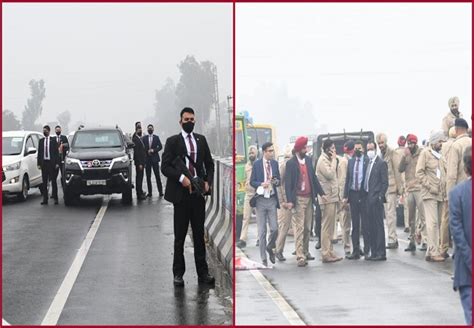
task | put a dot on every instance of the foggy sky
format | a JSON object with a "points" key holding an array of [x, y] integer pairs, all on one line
{"points": [[381, 67], [103, 62]]}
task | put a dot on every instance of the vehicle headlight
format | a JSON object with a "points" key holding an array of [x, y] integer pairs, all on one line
{"points": [[70, 161], [12, 167], [122, 159]]}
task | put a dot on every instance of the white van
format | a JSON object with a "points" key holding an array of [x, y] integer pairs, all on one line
{"points": [[19, 162]]}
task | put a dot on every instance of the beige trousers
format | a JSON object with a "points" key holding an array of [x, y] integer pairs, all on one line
{"points": [[345, 222], [433, 210], [414, 202], [391, 217], [302, 216], [444, 228], [328, 220], [246, 217], [284, 223]]}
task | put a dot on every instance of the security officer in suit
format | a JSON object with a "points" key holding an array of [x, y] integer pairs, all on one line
{"points": [[460, 222], [48, 162], [139, 157], [63, 149], [189, 207], [152, 148], [376, 186]]}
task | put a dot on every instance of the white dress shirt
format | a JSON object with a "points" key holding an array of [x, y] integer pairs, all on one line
{"points": [[188, 148], [47, 145]]}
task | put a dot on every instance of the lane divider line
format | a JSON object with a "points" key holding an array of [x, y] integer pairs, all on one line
{"points": [[52, 316], [288, 312]]}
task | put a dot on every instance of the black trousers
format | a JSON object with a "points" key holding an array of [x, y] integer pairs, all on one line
{"points": [[358, 207], [139, 179], [60, 169], [317, 217], [156, 170], [48, 173], [376, 228], [190, 210]]}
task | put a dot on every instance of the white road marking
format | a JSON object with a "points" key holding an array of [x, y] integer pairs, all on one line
{"points": [[57, 306], [288, 312]]}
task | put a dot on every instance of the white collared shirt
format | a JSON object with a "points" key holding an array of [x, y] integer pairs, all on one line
{"points": [[150, 140], [47, 156], [371, 165], [188, 148]]}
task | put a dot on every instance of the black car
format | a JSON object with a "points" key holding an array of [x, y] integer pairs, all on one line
{"points": [[99, 162]]}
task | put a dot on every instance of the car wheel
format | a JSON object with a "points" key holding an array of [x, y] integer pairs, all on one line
{"points": [[25, 186], [68, 197], [127, 196]]}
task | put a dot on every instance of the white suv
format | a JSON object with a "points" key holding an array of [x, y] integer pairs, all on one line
{"points": [[19, 162]]}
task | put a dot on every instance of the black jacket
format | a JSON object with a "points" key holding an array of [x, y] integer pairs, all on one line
{"points": [[350, 175], [292, 176], [156, 145], [53, 151], [378, 180], [139, 150], [176, 147], [65, 142]]}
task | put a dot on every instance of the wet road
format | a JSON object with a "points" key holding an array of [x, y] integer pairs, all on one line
{"points": [[126, 276], [404, 290]]}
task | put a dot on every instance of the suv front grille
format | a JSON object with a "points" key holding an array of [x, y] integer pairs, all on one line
{"points": [[96, 164]]}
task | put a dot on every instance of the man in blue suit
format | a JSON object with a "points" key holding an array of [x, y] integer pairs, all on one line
{"points": [[152, 161], [460, 222], [356, 196], [265, 174]]}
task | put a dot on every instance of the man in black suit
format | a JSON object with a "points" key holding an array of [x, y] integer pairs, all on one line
{"points": [[48, 162], [139, 159], [152, 147], [355, 195], [192, 149], [63, 148], [376, 185]]}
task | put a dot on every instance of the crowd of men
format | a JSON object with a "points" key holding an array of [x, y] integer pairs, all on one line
{"points": [[362, 188]]}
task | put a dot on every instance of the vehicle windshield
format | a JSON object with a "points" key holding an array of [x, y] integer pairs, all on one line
{"points": [[97, 139], [259, 136], [12, 145]]}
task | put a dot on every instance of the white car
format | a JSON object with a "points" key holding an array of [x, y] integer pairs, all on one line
{"points": [[19, 162]]}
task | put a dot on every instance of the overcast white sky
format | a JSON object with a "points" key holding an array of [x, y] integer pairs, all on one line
{"points": [[380, 67], [103, 62]]}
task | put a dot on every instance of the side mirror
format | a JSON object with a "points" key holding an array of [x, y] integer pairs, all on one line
{"points": [[31, 150]]}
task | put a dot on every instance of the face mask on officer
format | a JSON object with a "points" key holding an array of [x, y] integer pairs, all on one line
{"points": [[46, 133], [58, 132], [371, 154], [358, 152], [188, 127], [150, 131], [139, 132]]}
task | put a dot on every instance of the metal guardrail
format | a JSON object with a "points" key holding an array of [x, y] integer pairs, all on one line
{"points": [[219, 209]]}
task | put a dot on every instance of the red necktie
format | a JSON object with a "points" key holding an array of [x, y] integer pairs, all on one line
{"points": [[191, 166], [269, 172]]}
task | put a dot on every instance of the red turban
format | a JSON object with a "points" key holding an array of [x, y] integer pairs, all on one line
{"points": [[412, 138], [300, 143], [402, 141]]}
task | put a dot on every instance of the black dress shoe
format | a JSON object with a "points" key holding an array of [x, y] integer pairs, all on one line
{"points": [[257, 243], [318, 244], [271, 255], [265, 263], [56, 202], [142, 196], [309, 257], [206, 279], [44, 202], [353, 256], [280, 257], [178, 281], [241, 244], [392, 246], [149, 195], [377, 258], [161, 195], [411, 247], [294, 253], [423, 247]]}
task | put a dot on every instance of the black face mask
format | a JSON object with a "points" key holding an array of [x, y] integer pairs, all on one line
{"points": [[358, 153], [58, 133], [413, 150], [46, 134], [188, 127], [150, 131], [139, 133]]}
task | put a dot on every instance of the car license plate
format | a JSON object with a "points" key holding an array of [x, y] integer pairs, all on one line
{"points": [[96, 183]]}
